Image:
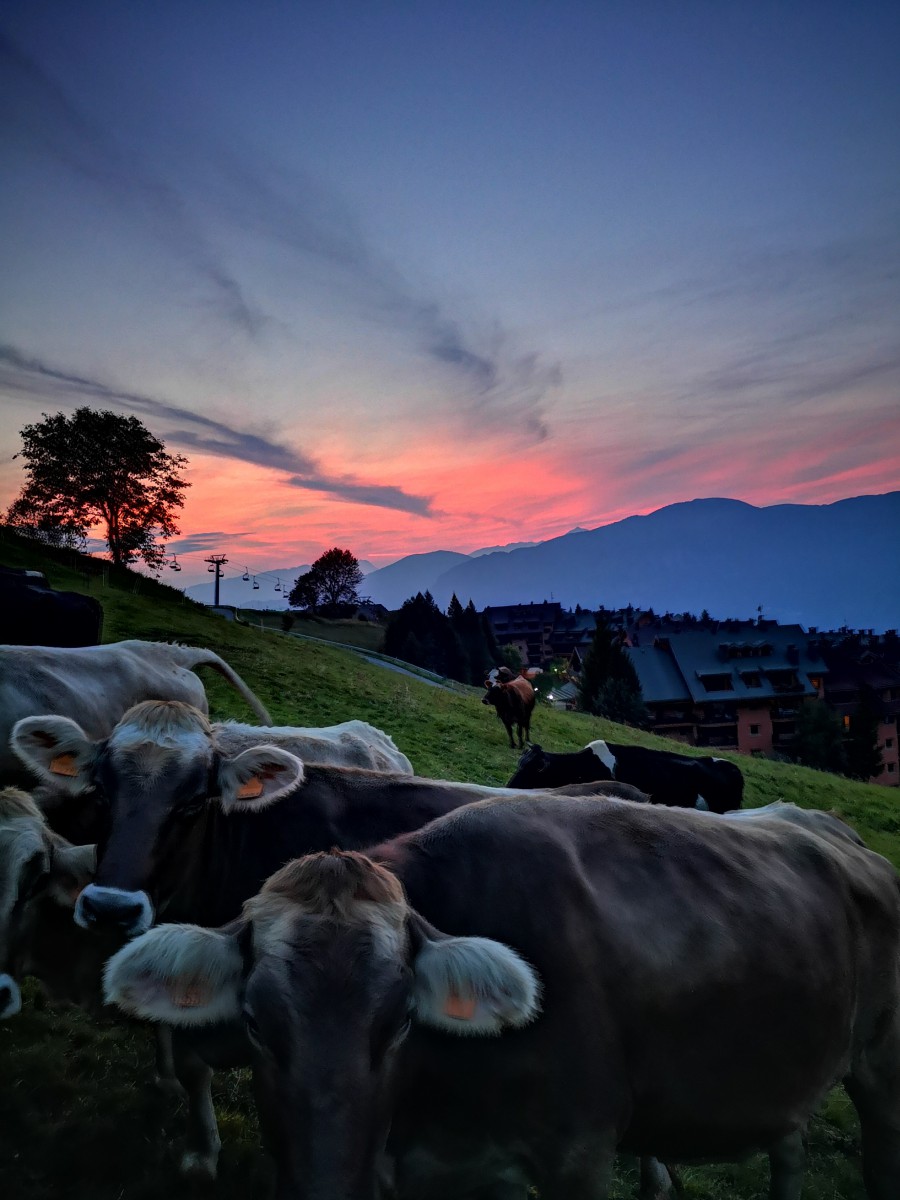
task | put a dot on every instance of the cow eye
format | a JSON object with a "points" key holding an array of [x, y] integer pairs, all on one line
{"points": [[390, 1026], [400, 1036], [191, 808], [252, 1027], [33, 877]]}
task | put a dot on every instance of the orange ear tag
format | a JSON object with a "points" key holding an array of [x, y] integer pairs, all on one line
{"points": [[64, 764], [459, 1009], [251, 789], [193, 996]]}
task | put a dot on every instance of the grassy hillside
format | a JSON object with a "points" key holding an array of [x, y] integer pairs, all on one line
{"points": [[77, 1118]]}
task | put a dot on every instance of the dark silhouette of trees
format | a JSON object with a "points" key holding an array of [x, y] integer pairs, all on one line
{"points": [[419, 633], [330, 585], [99, 468], [454, 644], [476, 658], [609, 682], [819, 738], [861, 743], [510, 657]]}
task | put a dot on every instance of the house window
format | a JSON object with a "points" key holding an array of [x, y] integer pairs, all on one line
{"points": [[718, 683], [754, 731], [888, 743], [891, 768], [846, 721], [750, 678]]}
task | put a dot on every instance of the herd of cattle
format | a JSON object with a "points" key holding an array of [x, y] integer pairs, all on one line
{"points": [[446, 991]]}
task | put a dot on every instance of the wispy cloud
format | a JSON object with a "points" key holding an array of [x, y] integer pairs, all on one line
{"points": [[40, 113], [492, 383], [500, 383], [806, 322], [200, 543], [24, 376]]}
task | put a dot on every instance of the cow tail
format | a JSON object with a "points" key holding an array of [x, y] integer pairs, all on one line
{"points": [[209, 658]]}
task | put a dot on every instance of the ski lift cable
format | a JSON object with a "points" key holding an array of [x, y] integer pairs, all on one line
{"points": [[246, 575]]}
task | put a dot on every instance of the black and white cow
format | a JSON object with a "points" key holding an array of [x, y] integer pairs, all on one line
{"points": [[678, 780]]}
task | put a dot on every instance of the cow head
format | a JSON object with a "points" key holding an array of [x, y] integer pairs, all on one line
{"points": [[531, 769], [37, 868], [158, 773], [328, 968]]}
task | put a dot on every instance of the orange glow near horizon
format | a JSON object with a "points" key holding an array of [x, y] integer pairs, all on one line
{"points": [[487, 493], [494, 499]]}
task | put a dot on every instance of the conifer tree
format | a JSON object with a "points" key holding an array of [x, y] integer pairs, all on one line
{"points": [[861, 743], [609, 682]]}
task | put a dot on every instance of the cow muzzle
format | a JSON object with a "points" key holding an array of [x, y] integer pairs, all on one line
{"points": [[107, 907], [10, 997]]}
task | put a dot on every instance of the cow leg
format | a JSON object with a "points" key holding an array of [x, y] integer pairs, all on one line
{"points": [[501, 1191], [166, 1079], [874, 1088], [583, 1170], [201, 1154], [787, 1163], [656, 1183]]}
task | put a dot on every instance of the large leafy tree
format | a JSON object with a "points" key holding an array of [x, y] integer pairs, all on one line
{"points": [[99, 468], [330, 583]]}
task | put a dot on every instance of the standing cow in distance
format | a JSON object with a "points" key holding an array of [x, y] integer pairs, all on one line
{"points": [[513, 698], [678, 780]]}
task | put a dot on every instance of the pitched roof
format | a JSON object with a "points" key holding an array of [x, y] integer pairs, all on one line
{"points": [[713, 665]]}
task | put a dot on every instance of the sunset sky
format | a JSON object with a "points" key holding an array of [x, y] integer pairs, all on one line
{"points": [[413, 276]]}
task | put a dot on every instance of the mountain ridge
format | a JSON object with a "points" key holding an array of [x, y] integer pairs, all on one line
{"points": [[825, 565]]}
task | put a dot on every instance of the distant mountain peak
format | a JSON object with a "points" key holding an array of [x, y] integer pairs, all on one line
{"points": [[816, 564]]}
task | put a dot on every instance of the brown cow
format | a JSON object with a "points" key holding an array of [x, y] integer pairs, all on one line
{"points": [[41, 875], [504, 997], [513, 697]]}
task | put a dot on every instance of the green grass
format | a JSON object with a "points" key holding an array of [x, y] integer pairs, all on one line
{"points": [[366, 635], [77, 1116]]}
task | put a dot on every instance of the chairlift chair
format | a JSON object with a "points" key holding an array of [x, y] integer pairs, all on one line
{"points": [[255, 585], [246, 575]]}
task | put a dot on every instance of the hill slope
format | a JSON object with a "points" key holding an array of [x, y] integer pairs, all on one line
{"points": [[76, 1116]]}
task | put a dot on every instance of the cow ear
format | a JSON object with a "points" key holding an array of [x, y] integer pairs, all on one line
{"points": [[72, 868], [57, 750], [257, 777], [179, 974], [472, 986]]}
